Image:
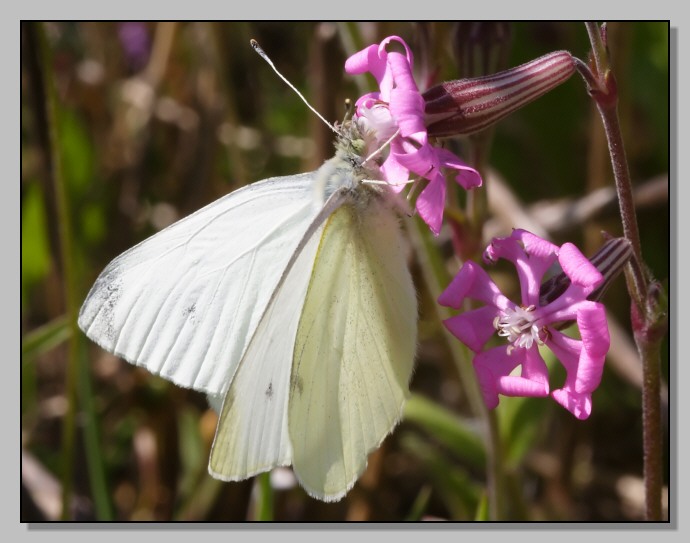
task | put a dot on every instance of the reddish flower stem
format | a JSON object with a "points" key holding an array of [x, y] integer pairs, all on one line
{"points": [[598, 46], [651, 427], [621, 175], [648, 318]]}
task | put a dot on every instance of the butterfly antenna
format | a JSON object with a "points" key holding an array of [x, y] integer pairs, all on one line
{"points": [[380, 149], [264, 56], [348, 110]]}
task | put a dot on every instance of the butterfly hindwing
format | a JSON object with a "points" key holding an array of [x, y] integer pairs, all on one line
{"points": [[354, 349]]}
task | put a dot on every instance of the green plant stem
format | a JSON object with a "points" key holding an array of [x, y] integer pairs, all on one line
{"points": [[94, 456], [263, 510], [477, 211], [436, 278], [66, 265], [477, 201]]}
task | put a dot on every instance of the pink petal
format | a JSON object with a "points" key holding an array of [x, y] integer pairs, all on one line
{"points": [[456, 291], [408, 52], [487, 385], [407, 108], [431, 202], [534, 369], [366, 60], [589, 372], [426, 162], [375, 59], [579, 405], [473, 282], [394, 172], [572, 396], [533, 380], [594, 331], [401, 70], [418, 157], [473, 328], [536, 246], [591, 319], [517, 386], [494, 368], [530, 267], [583, 371], [368, 100], [567, 350], [580, 270], [491, 366], [467, 176], [506, 247], [565, 306], [530, 273]]}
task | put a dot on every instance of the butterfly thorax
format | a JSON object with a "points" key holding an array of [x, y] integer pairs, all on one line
{"points": [[346, 172]]}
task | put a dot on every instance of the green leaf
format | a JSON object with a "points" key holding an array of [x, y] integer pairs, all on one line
{"points": [[45, 338], [447, 428], [35, 246], [482, 513], [263, 506], [521, 421], [420, 505], [459, 493], [76, 151], [193, 453]]}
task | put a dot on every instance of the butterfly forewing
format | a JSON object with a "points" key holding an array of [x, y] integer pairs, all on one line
{"points": [[252, 431], [185, 302]]}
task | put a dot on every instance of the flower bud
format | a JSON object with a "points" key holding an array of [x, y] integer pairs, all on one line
{"points": [[464, 106], [609, 260]]}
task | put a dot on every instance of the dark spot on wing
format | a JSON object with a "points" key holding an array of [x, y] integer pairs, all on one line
{"points": [[190, 313], [109, 296], [297, 384], [269, 391]]}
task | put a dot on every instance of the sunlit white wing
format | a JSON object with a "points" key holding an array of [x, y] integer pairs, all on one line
{"points": [[185, 302], [252, 433], [354, 349], [252, 429]]}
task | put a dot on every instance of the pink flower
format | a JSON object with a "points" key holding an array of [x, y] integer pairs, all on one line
{"points": [[532, 323], [398, 108]]}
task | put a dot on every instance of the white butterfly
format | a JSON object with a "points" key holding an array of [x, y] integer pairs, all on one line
{"points": [[290, 301]]}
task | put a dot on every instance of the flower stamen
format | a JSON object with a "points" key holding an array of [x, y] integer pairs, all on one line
{"points": [[519, 326]]}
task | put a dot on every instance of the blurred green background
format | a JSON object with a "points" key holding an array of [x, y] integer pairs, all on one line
{"points": [[129, 126]]}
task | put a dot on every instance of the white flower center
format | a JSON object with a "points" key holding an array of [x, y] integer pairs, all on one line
{"points": [[378, 120], [519, 326]]}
